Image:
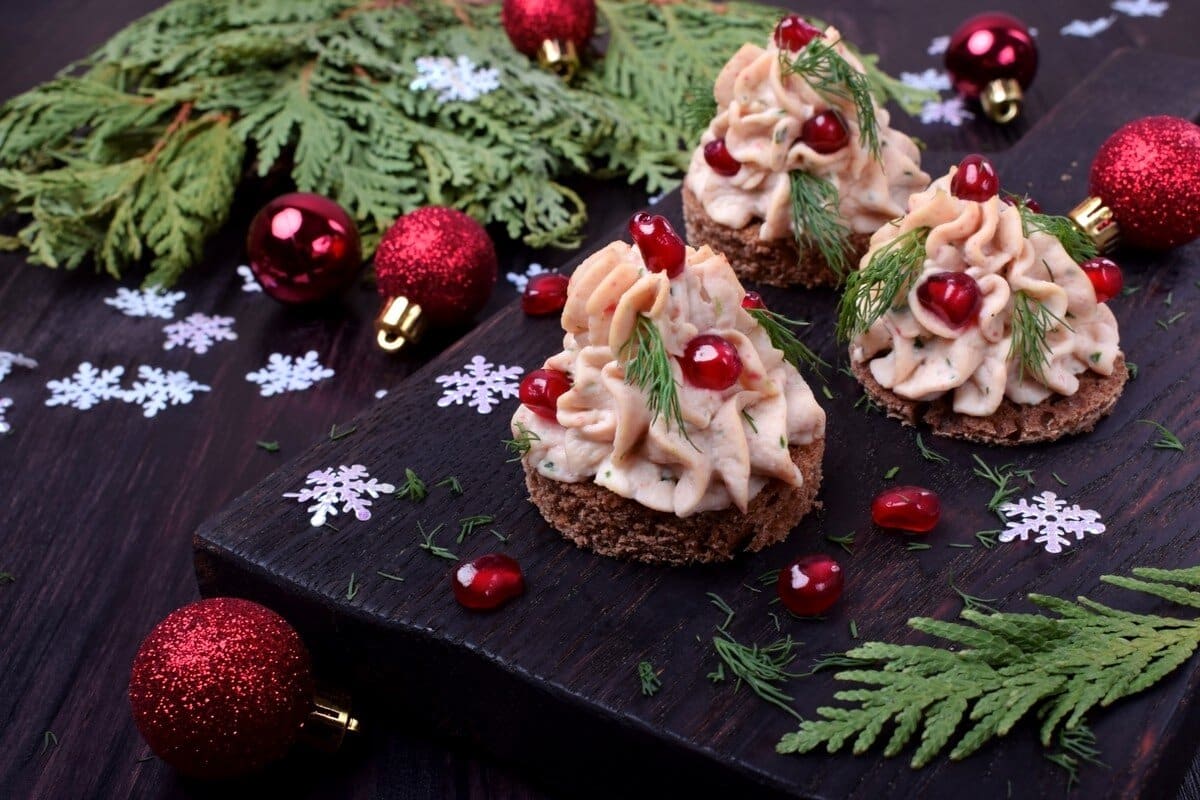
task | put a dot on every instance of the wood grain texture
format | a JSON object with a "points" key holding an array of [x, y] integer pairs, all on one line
{"points": [[97, 508], [563, 658]]}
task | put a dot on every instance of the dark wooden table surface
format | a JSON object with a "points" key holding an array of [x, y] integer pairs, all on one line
{"points": [[98, 507]]}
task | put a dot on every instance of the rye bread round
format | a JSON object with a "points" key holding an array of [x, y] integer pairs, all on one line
{"points": [[1013, 423], [605, 522], [776, 262]]}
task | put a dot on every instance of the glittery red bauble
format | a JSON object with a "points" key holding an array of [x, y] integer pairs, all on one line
{"points": [[1148, 173], [988, 47], [221, 687], [440, 259], [303, 247], [528, 23]]}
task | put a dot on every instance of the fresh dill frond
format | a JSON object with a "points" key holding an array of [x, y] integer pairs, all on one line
{"points": [[879, 286], [987, 538], [971, 602], [817, 220], [928, 453], [830, 74], [270, 447], [648, 367], [917, 546], [1002, 478], [389, 576], [1075, 746], [845, 542], [778, 329], [723, 607], [1166, 440], [648, 678], [1032, 322], [467, 525], [335, 434], [891, 473], [1079, 245], [521, 442], [760, 668], [452, 483], [352, 587], [430, 546], [413, 487]]}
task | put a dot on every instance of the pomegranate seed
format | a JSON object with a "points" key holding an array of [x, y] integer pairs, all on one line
{"points": [[826, 132], [711, 362], [794, 32], [540, 390], [810, 585], [976, 179], [753, 300], [719, 158], [487, 582], [907, 508], [1029, 202], [545, 294], [660, 245], [1105, 276], [952, 297]]}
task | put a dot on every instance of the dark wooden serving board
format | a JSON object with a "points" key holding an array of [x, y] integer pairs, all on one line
{"points": [[549, 682]]}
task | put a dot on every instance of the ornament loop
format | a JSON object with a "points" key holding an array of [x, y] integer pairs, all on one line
{"points": [[1002, 100], [399, 323], [1096, 220], [329, 721], [559, 57]]}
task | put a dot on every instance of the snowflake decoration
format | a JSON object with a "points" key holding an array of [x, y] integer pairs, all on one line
{"points": [[198, 332], [249, 282], [454, 79], [1087, 29], [9, 360], [145, 302], [521, 279], [287, 374], [5, 405], [938, 45], [343, 487], [1141, 8], [935, 80], [949, 111], [380, 394], [478, 384], [156, 388], [654, 199], [1051, 519], [88, 387]]}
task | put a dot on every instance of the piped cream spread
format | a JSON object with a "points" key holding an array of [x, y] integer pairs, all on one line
{"points": [[914, 353], [760, 112], [604, 431]]}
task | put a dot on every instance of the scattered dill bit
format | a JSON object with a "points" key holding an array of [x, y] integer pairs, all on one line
{"points": [[144, 759], [760, 668], [775, 618], [1170, 298], [971, 602], [1171, 320], [1166, 440], [783, 442], [335, 434], [1002, 478], [331, 527], [1079, 245], [749, 420], [7, 578], [718, 674], [467, 525], [521, 442], [833, 76], [432, 547], [871, 291], [723, 607], [868, 402], [389, 576], [649, 678], [270, 447], [49, 739], [1031, 324], [891, 473], [779, 331], [853, 629], [961, 545], [352, 587], [648, 367], [849, 373], [825, 391], [754, 589], [1061, 482], [987, 538], [1133, 370], [771, 576], [930, 454], [917, 546], [1075, 746], [845, 542], [1128, 290], [413, 487], [452, 483], [817, 220], [835, 661]]}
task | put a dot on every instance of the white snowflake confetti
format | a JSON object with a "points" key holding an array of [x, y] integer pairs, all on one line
{"points": [[1051, 519], [478, 384], [521, 279], [1141, 8], [287, 374], [1087, 29], [145, 302], [949, 111], [343, 486], [198, 332], [156, 388], [9, 360], [938, 45], [380, 394], [88, 387], [249, 282], [454, 79], [5, 405], [654, 199], [934, 80]]}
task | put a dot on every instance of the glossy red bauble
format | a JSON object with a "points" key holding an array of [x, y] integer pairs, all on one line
{"points": [[810, 585], [975, 179], [540, 390], [907, 508], [1105, 276], [717, 156], [545, 294], [303, 248], [793, 33], [753, 300], [487, 582], [825, 133], [529, 23], [711, 362], [988, 47], [952, 297], [661, 247], [221, 688]]}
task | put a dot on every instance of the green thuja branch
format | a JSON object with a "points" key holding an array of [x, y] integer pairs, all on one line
{"points": [[1000, 668]]}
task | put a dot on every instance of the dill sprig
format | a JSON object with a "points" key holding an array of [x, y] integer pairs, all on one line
{"points": [[833, 76], [723, 607], [467, 525], [845, 542], [785, 341], [1031, 324], [928, 453], [1166, 440], [879, 286], [335, 434], [1075, 746], [452, 483], [1079, 245], [649, 678], [817, 221], [1002, 478], [648, 367], [433, 548], [352, 587], [987, 538], [971, 602], [389, 576], [413, 487], [521, 442], [270, 447], [760, 668]]}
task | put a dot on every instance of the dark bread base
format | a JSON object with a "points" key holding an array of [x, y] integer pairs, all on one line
{"points": [[597, 519], [1013, 423], [777, 262]]}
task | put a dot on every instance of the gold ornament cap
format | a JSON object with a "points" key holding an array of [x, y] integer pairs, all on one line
{"points": [[1002, 100], [1096, 220], [329, 721], [399, 323], [559, 57]]}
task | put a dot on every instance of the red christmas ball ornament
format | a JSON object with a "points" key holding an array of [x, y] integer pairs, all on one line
{"points": [[1146, 179], [434, 266], [810, 585], [553, 31], [992, 57], [221, 688], [907, 508], [303, 248], [487, 582]]}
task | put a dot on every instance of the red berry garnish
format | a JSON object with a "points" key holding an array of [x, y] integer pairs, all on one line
{"points": [[711, 362], [540, 390], [826, 132], [660, 245], [1105, 276], [976, 179], [1027, 201], [753, 300], [907, 508], [794, 33], [545, 294], [952, 297], [810, 585], [719, 158], [487, 582]]}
